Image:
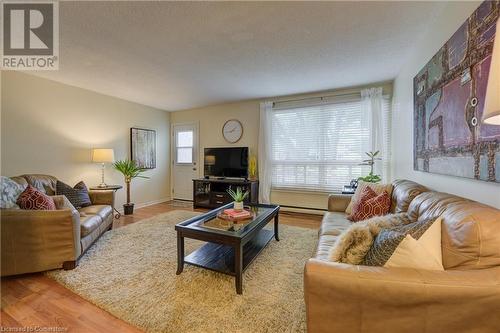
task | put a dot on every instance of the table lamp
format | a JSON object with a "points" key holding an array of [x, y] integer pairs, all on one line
{"points": [[209, 162], [491, 113], [103, 155]]}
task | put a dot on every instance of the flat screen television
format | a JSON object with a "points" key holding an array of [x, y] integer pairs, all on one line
{"points": [[226, 162]]}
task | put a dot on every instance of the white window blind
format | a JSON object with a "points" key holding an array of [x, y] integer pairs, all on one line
{"points": [[319, 147], [184, 147]]}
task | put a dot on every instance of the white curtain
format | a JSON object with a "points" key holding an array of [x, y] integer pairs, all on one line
{"points": [[372, 100], [264, 162]]}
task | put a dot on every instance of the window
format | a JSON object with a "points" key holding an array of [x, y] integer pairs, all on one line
{"points": [[320, 147], [184, 147]]}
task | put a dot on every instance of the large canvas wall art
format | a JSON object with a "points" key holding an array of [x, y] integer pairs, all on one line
{"points": [[143, 147], [449, 94]]}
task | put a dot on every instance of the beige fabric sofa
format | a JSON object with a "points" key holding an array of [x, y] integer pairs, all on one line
{"points": [[36, 240], [463, 298]]}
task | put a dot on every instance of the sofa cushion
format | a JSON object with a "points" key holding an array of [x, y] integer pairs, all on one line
{"points": [[89, 223], [87, 240], [470, 237], [334, 223], [403, 192], [10, 191], [33, 199], [377, 188], [102, 210], [43, 183], [325, 243], [20, 180], [77, 195]]}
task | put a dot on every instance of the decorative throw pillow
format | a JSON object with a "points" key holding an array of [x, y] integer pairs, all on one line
{"points": [[31, 198], [431, 240], [370, 205], [352, 245], [77, 195], [10, 191], [412, 254], [377, 188], [415, 245], [365, 195]]}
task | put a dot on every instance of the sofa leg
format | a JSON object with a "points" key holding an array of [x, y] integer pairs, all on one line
{"points": [[69, 265]]}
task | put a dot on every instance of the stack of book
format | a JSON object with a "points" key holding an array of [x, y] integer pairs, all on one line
{"points": [[237, 214]]}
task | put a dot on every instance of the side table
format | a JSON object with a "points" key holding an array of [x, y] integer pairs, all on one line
{"points": [[113, 188]]}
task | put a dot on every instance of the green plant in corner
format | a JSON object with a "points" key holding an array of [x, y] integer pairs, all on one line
{"points": [[371, 178], [130, 171]]}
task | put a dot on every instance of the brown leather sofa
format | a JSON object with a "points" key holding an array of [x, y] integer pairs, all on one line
{"points": [[37, 240], [463, 298]]}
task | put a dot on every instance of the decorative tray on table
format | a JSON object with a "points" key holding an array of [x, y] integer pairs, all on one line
{"points": [[228, 223]]}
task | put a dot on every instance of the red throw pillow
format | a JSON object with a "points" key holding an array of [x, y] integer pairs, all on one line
{"points": [[370, 205], [365, 195], [33, 199]]}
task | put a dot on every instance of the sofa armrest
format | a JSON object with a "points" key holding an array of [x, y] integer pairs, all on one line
{"points": [[349, 298], [62, 202], [338, 202], [102, 197], [38, 240]]}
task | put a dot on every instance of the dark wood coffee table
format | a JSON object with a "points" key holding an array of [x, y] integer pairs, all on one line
{"points": [[231, 247]]}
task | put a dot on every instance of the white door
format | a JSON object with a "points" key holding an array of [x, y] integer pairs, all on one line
{"points": [[185, 160]]}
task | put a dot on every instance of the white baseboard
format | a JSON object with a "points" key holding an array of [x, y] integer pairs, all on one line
{"points": [[282, 208], [145, 204], [303, 210]]}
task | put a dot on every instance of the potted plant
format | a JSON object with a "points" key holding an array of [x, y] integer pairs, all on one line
{"points": [[130, 171], [238, 197], [371, 178]]}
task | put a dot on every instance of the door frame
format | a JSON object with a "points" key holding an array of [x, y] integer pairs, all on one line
{"points": [[196, 125]]}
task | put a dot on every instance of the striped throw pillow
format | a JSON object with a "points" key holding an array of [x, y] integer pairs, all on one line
{"points": [[77, 195]]}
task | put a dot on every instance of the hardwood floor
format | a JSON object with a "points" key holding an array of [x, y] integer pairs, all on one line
{"points": [[34, 300]]}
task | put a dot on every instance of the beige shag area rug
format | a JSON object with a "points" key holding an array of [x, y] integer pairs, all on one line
{"points": [[130, 272]]}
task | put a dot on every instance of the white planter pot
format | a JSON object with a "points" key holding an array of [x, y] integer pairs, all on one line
{"points": [[238, 205]]}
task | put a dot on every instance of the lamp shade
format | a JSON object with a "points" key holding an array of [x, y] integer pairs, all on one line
{"points": [[491, 113], [103, 155], [210, 160]]}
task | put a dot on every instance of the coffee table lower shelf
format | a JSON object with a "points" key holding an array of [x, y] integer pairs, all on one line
{"points": [[220, 258]]}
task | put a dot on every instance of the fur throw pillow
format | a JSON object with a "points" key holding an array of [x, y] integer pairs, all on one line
{"points": [[355, 242]]}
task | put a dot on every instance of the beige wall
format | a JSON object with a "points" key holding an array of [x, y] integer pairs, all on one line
{"points": [[212, 118], [402, 152], [48, 127]]}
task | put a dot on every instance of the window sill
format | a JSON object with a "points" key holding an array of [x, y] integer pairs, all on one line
{"points": [[303, 191]]}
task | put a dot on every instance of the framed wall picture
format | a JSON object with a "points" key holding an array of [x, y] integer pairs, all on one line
{"points": [[449, 96], [143, 147]]}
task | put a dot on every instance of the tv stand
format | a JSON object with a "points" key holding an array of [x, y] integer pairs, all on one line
{"points": [[212, 192]]}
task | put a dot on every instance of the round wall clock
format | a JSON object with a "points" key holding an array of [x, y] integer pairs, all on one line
{"points": [[232, 130]]}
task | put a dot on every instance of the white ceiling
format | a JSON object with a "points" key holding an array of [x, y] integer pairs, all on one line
{"points": [[179, 55]]}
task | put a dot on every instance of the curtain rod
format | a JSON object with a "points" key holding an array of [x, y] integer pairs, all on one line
{"points": [[319, 97]]}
